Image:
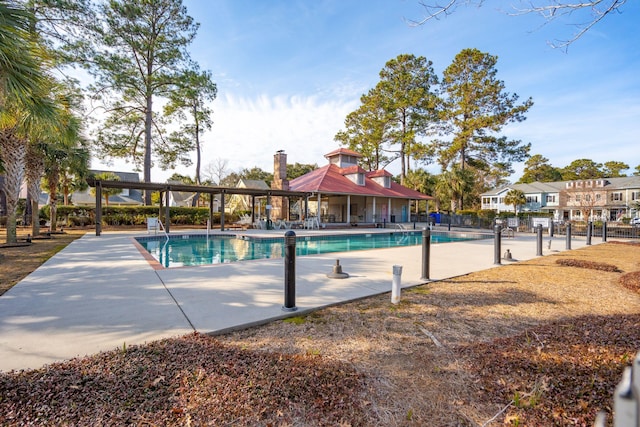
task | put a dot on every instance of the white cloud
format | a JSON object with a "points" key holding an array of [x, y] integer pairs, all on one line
{"points": [[247, 132]]}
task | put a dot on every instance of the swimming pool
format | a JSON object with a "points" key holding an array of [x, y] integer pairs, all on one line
{"points": [[199, 249]]}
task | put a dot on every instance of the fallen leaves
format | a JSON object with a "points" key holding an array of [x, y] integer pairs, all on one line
{"points": [[192, 379], [593, 265], [569, 380]]}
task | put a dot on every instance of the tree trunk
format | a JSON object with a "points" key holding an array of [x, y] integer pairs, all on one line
{"points": [[12, 152], [403, 172], [194, 202], [147, 147], [54, 177], [35, 218], [34, 170]]}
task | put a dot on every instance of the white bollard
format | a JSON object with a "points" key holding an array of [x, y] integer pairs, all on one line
{"points": [[395, 286]]}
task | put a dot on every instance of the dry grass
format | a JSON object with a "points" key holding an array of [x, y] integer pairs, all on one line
{"points": [[543, 341], [413, 381]]}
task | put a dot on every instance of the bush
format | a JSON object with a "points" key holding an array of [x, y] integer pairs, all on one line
{"points": [[132, 215]]}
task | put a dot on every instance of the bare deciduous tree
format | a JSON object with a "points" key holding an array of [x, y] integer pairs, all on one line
{"points": [[549, 10], [216, 170]]}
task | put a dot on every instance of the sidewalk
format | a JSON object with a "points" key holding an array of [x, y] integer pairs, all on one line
{"points": [[99, 293]]}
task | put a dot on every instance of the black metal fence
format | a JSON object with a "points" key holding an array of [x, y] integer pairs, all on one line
{"points": [[526, 224]]}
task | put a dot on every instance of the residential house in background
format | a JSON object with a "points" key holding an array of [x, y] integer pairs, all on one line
{"points": [[180, 198], [239, 202], [127, 197], [609, 199]]}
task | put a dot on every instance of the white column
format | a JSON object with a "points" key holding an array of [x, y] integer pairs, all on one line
{"points": [[348, 208], [389, 209], [374, 209]]}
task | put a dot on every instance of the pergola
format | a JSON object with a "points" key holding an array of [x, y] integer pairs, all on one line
{"points": [[203, 189]]}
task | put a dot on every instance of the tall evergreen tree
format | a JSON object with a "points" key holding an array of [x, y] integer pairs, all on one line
{"points": [[395, 115], [189, 103], [407, 90], [613, 169], [537, 168], [365, 132], [140, 55], [476, 109], [582, 169]]}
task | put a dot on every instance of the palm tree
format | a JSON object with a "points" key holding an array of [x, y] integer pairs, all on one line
{"points": [[20, 58], [34, 169], [454, 184], [24, 100], [515, 198]]}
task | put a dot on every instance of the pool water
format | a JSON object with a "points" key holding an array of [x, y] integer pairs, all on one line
{"points": [[190, 249]]}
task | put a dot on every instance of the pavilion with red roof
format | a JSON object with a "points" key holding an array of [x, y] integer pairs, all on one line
{"points": [[343, 192]]}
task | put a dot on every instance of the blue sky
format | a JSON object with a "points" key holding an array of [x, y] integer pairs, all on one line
{"points": [[289, 71]]}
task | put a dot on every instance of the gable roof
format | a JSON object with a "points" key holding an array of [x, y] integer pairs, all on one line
{"points": [[180, 198], [134, 198], [330, 179], [257, 184]]}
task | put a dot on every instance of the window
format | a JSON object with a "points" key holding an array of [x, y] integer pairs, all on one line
{"points": [[125, 192], [616, 197], [635, 195], [532, 199], [360, 179], [551, 198], [598, 197], [587, 197], [578, 197]]}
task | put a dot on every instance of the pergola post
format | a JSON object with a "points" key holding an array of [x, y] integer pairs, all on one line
{"points": [[167, 214], [211, 210], [268, 210], [253, 209], [222, 211], [98, 208]]}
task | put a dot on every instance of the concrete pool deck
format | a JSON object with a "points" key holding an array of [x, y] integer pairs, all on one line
{"points": [[101, 293]]}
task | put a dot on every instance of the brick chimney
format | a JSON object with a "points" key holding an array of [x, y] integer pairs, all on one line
{"points": [[280, 205]]}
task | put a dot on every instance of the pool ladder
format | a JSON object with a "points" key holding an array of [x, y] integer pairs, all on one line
{"points": [[161, 227]]}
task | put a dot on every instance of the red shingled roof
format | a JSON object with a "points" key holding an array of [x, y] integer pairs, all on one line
{"points": [[379, 172], [329, 179]]}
